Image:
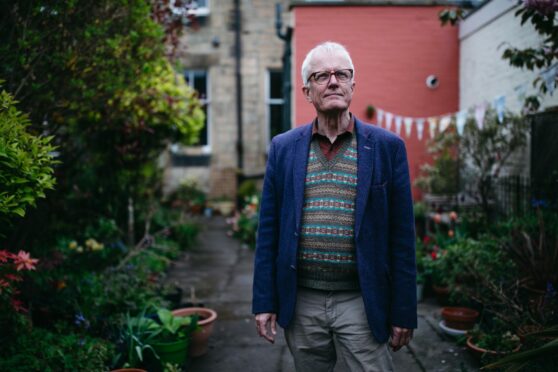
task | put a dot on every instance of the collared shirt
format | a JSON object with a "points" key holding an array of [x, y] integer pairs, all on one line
{"points": [[331, 149]]}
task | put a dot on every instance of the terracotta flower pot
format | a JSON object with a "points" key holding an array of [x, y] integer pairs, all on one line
{"points": [[461, 318], [200, 337], [479, 351]]}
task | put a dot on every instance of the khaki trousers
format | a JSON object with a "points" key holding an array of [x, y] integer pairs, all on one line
{"points": [[331, 323]]}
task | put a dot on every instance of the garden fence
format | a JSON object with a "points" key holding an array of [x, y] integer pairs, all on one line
{"points": [[512, 195]]}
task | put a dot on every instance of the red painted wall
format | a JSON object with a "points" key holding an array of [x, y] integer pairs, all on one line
{"points": [[394, 49]]}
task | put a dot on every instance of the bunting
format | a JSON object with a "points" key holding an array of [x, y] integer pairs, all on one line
{"points": [[441, 123], [389, 118], [398, 121]]}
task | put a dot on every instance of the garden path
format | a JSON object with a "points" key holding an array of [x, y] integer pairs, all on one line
{"points": [[220, 270]]}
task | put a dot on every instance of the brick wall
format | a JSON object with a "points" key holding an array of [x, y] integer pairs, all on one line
{"points": [[394, 49]]}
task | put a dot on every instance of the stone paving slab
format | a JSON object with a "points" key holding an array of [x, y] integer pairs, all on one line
{"points": [[220, 269]]}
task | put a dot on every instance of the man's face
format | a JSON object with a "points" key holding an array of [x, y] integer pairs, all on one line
{"points": [[333, 96]]}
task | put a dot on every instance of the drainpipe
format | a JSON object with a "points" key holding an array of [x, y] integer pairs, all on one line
{"points": [[238, 80], [286, 36]]}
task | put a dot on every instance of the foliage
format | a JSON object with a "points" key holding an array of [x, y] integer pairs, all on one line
{"points": [[94, 76], [140, 333], [499, 341], [441, 177], [25, 161], [247, 189], [10, 267], [527, 358], [533, 245], [541, 14], [481, 272], [244, 224], [485, 152], [188, 194], [419, 210], [185, 234], [37, 349]]}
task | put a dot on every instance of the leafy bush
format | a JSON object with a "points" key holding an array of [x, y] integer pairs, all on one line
{"points": [[25, 161], [185, 234], [441, 177], [37, 349]]}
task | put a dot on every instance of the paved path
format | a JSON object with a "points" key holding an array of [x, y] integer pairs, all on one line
{"points": [[220, 270]]}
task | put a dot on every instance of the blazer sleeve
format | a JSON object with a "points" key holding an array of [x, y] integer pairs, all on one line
{"points": [[402, 244], [264, 287]]}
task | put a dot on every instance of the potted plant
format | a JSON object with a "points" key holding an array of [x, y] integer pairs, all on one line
{"points": [[461, 318], [529, 357], [224, 205], [484, 344], [370, 111], [200, 337], [156, 342]]}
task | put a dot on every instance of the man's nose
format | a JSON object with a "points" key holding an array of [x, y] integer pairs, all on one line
{"points": [[332, 80]]}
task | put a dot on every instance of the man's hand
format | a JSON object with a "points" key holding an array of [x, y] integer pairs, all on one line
{"points": [[262, 321], [400, 337]]}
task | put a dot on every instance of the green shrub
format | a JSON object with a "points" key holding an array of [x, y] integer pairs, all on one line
{"points": [[37, 349], [25, 161], [185, 234]]}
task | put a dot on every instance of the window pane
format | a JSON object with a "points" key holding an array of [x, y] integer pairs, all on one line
{"points": [[200, 83], [275, 120], [275, 84], [203, 132]]}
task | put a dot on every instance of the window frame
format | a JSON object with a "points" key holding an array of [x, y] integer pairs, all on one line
{"points": [[206, 149]]}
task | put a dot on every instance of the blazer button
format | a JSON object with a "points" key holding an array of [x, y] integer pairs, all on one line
{"points": [[295, 234], [293, 267]]}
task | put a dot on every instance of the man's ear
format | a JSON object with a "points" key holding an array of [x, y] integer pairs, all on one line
{"points": [[306, 92]]}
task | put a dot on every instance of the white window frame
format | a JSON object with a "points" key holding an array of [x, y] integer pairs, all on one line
{"points": [[206, 149]]}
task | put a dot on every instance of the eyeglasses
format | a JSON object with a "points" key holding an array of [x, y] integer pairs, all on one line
{"points": [[323, 77]]}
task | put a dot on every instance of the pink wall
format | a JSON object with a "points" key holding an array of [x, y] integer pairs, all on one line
{"points": [[394, 49]]}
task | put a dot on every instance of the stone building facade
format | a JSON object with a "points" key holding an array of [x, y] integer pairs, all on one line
{"points": [[207, 53]]}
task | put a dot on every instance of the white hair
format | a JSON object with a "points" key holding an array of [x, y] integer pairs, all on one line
{"points": [[328, 46]]}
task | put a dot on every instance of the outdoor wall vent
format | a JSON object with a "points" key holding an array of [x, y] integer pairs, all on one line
{"points": [[432, 81]]}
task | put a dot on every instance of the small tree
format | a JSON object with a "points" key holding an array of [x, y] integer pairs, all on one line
{"points": [[485, 151], [441, 177]]}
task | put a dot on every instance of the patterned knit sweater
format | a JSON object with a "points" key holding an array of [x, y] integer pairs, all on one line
{"points": [[326, 253]]}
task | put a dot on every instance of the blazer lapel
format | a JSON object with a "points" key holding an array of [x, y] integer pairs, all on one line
{"points": [[365, 163], [302, 146]]}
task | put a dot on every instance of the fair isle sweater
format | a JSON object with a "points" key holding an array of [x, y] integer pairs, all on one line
{"points": [[326, 252]]}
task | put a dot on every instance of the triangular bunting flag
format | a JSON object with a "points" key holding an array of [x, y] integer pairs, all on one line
{"points": [[480, 111], [398, 121], [380, 117], [500, 106], [432, 126], [460, 119], [389, 118], [408, 125], [420, 128], [445, 122]]}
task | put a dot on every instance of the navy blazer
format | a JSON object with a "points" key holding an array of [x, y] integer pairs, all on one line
{"points": [[384, 228]]}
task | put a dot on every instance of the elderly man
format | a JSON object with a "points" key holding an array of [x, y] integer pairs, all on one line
{"points": [[335, 255]]}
